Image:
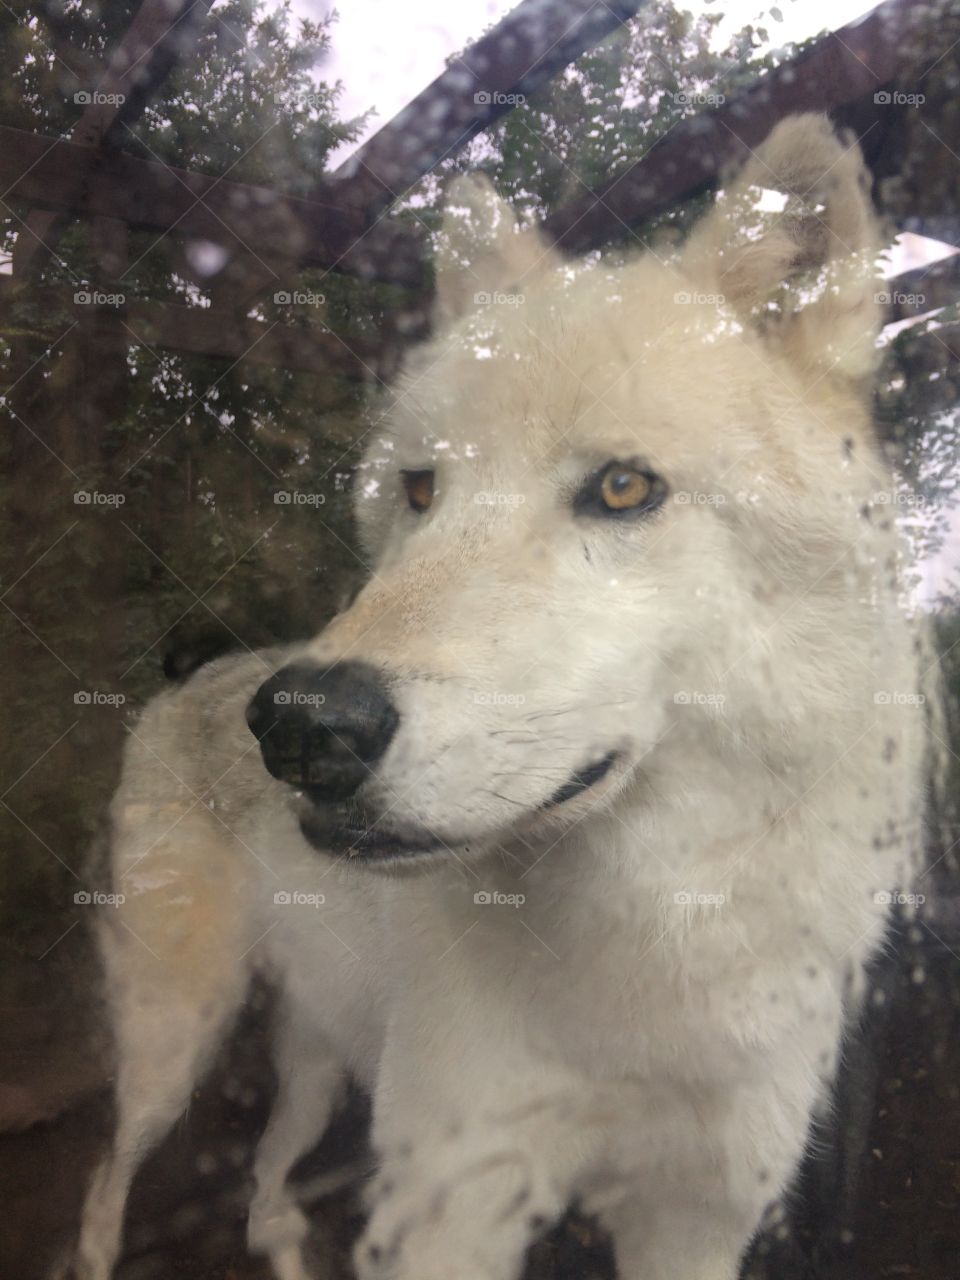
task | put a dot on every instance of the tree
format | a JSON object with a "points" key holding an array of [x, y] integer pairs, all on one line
{"points": [[183, 456]]}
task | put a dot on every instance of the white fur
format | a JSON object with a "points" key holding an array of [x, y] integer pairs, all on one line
{"points": [[620, 1036]]}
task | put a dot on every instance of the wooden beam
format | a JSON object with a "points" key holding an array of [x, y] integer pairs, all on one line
{"points": [[847, 66], [159, 197], [209, 332], [214, 333], [524, 50], [160, 33]]}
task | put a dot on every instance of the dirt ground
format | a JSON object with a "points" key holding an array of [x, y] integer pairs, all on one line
{"points": [[879, 1200]]}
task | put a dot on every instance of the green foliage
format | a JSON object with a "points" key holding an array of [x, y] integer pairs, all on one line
{"points": [[599, 116], [191, 450]]}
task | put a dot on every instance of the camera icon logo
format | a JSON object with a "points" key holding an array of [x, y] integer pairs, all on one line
{"points": [[282, 898], [82, 698], [282, 498], [483, 898], [82, 897], [282, 698], [684, 898], [482, 98], [282, 298], [83, 98], [883, 97]]}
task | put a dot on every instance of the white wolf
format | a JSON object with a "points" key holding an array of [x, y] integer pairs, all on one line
{"points": [[577, 824]]}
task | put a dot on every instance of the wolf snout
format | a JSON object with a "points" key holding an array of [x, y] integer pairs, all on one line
{"points": [[323, 729]]}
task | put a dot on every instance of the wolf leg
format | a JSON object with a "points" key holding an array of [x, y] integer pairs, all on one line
{"points": [[163, 1050], [711, 1171], [310, 1079], [469, 1205], [173, 952]]}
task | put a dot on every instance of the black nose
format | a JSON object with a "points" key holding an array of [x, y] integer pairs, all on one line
{"points": [[321, 730]]}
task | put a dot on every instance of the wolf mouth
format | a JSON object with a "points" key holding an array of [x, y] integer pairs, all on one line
{"points": [[582, 780], [370, 843], [347, 829]]}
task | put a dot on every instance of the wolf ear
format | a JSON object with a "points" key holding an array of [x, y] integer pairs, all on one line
{"points": [[481, 248], [792, 246]]}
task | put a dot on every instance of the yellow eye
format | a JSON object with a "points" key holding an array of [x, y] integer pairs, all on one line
{"points": [[418, 486], [623, 487]]}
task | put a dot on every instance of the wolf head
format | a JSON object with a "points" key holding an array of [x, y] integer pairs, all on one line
{"points": [[611, 512]]}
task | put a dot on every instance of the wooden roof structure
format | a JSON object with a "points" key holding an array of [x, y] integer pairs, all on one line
{"points": [[345, 224]]}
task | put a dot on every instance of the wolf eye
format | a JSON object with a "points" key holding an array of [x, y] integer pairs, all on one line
{"points": [[623, 487], [620, 488], [418, 486]]}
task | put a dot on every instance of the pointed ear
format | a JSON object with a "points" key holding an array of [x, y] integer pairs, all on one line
{"points": [[481, 248], [793, 244]]}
